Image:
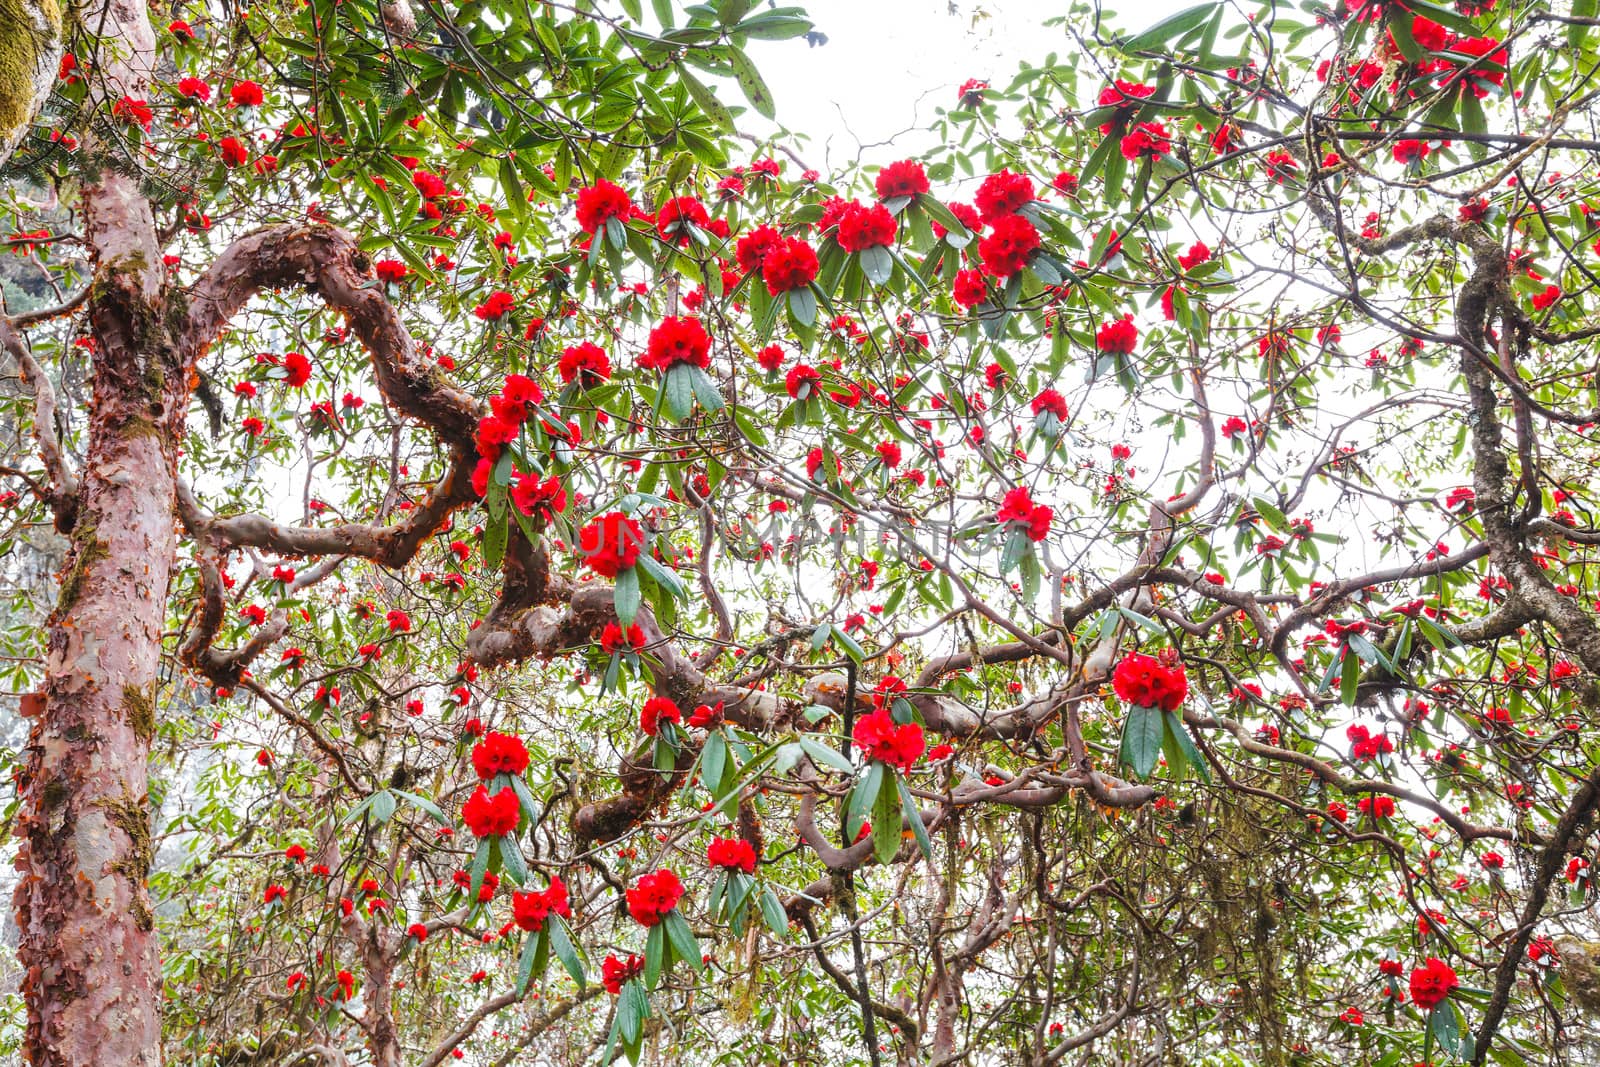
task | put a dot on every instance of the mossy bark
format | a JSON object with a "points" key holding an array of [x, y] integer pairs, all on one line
{"points": [[30, 56]]}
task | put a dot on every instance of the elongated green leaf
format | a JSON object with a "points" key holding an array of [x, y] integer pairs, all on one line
{"points": [[423, 804], [1141, 740], [913, 817], [707, 100], [565, 950], [657, 954], [749, 79], [685, 946], [864, 796], [626, 596], [530, 956], [1171, 28], [886, 821], [1185, 744], [772, 912]]}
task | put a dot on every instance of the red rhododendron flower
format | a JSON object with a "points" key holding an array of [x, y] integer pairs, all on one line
{"points": [[601, 202], [545, 499], [751, 251], [1121, 336], [132, 111], [430, 185], [1149, 140], [654, 896], [801, 381], [499, 753], [610, 544], [1003, 194], [295, 854], [905, 178], [529, 910], [1198, 253], [391, 271], [587, 363], [889, 452], [398, 621], [299, 368], [656, 710], [496, 306], [491, 816], [615, 973], [676, 215], [789, 264], [613, 639], [881, 738], [194, 89], [969, 288], [1050, 401], [1018, 507], [677, 340], [1142, 681], [732, 854], [1431, 983], [1006, 248], [245, 94], [233, 152], [865, 227]]}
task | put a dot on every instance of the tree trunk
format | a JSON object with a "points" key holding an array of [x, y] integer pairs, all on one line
{"points": [[93, 981]]}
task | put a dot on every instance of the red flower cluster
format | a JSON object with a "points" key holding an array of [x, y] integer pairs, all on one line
{"points": [[615, 973], [752, 249], [1003, 194], [610, 544], [499, 753], [677, 340], [1149, 140], [1052, 402], [530, 910], [969, 288], [1198, 253], [801, 381], [672, 221], [587, 363], [1431, 983], [245, 94], [298, 368], [657, 710], [865, 227], [613, 640], [531, 496], [787, 265], [732, 854], [1364, 745], [600, 203], [495, 308], [1006, 248], [1018, 507], [1141, 680], [654, 896], [491, 816], [1118, 337], [905, 178], [881, 738]]}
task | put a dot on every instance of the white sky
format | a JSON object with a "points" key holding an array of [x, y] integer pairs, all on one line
{"points": [[889, 63]]}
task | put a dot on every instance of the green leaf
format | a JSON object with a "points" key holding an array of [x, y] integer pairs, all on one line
{"points": [[1171, 28], [772, 912], [1270, 512], [626, 596], [876, 263], [633, 1008], [657, 954], [822, 754], [565, 950], [1445, 1027], [480, 865], [705, 390], [423, 804], [863, 797], [1576, 31], [1185, 744], [715, 110], [803, 306], [1349, 676], [677, 391], [942, 214], [749, 79], [511, 856], [913, 816], [530, 954], [495, 533], [1141, 740], [886, 821], [684, 944], [714, 762]]}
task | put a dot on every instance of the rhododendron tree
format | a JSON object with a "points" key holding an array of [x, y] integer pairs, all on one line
{"points": [[510, 564]]}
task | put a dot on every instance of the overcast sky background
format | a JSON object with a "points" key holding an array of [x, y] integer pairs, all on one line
{"points": [[889, 64]]}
